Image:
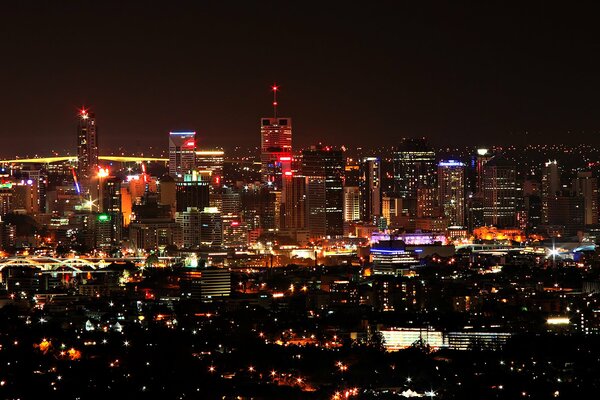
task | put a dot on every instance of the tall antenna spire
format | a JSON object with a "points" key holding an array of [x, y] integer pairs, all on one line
{"points": [[275, 88]]}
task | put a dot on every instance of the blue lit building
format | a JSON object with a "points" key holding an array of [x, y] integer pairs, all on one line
{"points": [[390, 257]]}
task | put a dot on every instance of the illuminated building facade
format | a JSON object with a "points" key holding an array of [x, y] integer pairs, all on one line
{"points": [[370, 188], [499, 193], [182, 153], [451, 190], [586, 186], [188, 234], [209, 164], [414, 167], [276, 150], [550, 186], [390, 257], [328, 163], [191, 193], [87, 151], [211, 227], [351, 203], [293, 202]]}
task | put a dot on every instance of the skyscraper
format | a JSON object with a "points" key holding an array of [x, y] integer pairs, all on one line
{"points": [[414, 167], [182, 153], [451, 189], [586, 186], [275, 146], [293, 202], [87, 151], [499, 192], [276, 149], [550, 186], [370, 188], [351, 203], [328, 164]]}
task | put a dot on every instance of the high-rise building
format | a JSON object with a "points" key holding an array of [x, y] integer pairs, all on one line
{"points": [[182, 153], [87, 151], [316, 193], [370, 188], [427, 202], [209, 164], [211, 227], [351, 203], [414, 167], [483, 156], [328, 164], [499, 193], [276, 149], [586, 186], [451, 191], [566, 213], [191, 192], [550, 186], [391, 209], [293, 202], [188, 234]]}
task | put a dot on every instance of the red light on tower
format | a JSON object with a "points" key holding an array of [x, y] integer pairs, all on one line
{"points": [[190, 143], [288, 173]]}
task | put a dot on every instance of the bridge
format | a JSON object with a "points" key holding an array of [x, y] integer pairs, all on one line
{"points": [[50, 160], [75, 265]]}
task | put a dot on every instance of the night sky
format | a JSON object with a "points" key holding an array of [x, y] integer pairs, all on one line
{"points": [[364, 74]]}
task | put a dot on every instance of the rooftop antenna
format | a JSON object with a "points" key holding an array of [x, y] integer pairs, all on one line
{"points": [[275, 88]]}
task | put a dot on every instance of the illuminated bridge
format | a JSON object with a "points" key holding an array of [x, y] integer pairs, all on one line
{"points": [[74, 264], [50, 160]]}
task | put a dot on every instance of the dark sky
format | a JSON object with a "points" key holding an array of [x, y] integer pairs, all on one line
{"points": [[364, 74]]}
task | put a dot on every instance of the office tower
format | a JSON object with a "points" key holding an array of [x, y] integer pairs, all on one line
{"points": [[191, 192], [499, 192], [188, 234], [451, 191], [6, 193], [211, 227], [483, 156], [226, 200], [427, 202], [110, 201], [475, 206], [352, 172], [328, 164], [391, 209], [414, 167], [167, 192], [25, 197], [550, 186], [532, 204], [40, 178], [370, 188], [259, 207], [276, 149], [87, 152], [293, 202], [235, 232], [275, 146], [316, 193], [107, 229], [209, 164], [182, 154], [586, 186], [351, 203], [566, 213]]}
